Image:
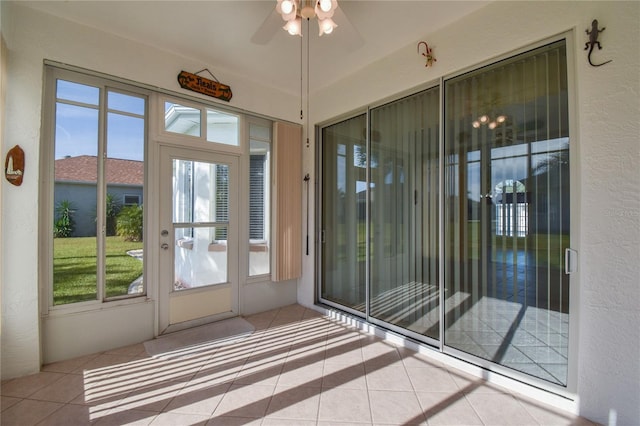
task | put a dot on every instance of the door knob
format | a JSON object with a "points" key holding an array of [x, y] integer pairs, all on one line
{"points": [[164, 246]]}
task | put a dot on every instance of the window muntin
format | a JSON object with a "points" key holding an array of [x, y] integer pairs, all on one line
{"points": [[94, 162]]}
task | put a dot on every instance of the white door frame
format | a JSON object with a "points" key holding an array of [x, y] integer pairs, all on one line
{"points": [[214, 302]]}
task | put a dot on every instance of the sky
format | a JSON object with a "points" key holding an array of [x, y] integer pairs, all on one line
{"points": [[77, 118]]}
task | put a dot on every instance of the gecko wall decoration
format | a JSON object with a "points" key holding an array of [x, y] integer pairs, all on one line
{"points": [[428, 54], [593, 41]]}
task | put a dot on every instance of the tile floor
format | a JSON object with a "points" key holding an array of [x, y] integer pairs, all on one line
{"points": [[297, 368]]}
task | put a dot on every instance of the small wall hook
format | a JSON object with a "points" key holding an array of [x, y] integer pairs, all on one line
{"points": [[427, 53]]}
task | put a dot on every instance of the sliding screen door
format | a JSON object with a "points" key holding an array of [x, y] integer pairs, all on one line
{"points": [[507, 213], [404, 213], [344, 198]]}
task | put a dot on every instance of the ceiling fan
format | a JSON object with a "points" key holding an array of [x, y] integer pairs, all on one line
{"points": [[294, 12]]}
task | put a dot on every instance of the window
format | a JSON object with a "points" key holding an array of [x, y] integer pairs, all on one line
{"points": [[97, 156], [221, 127], [131, 200], [259, 177]]}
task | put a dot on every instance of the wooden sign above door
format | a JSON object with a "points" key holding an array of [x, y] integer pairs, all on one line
{"points": [[205, 86]]}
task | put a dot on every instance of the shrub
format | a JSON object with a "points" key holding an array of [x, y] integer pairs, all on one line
{"points": [[113, 208], [129, 223], [64, 224]]}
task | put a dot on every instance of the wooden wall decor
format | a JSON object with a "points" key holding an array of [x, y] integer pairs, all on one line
{"points": [[14, 166], [205, 86]]}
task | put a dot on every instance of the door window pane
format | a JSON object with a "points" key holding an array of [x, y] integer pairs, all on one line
{"points": [[201, 220], [507, 213]]}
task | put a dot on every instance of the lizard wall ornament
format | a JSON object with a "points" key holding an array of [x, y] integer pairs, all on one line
{"points": [[593, 41], [428, 54]]}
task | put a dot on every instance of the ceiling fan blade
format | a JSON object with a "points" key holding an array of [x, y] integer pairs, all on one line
{"points": [[352, 36], [270, 26]]}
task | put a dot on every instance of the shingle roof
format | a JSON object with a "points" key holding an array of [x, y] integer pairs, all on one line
{"points": [[84, 168]]}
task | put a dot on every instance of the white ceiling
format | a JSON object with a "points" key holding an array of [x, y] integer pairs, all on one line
{"points": [[219, 33]]}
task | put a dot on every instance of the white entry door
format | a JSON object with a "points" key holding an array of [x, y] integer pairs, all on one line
{"points": [[198, 238]]}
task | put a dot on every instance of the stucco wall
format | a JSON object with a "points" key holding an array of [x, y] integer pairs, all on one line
{"points": [[607, 141], [32, 37]]}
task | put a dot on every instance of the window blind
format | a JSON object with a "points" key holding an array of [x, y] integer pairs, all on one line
{"points": [[287, 201]]}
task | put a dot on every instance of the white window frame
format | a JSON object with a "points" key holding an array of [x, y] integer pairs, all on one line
{"points": [[46, 188]]}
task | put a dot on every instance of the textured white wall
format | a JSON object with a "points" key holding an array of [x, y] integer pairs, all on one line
{"points": [[32, 37], [607, 141]]}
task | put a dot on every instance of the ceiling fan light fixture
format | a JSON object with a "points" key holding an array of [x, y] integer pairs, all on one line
{"points": [[325, 5], [294, 27], [308, 12], [287, 6], [326, 8], [288, 9], [326, 26]]}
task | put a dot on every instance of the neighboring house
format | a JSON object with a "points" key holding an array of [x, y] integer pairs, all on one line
{"points": [[75, 181]]}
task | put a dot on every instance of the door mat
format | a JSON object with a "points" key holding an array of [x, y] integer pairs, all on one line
{"points": [[200, 338]]}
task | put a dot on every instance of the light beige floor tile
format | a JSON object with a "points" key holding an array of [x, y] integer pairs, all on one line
{"points": [[65, 389], [302, 374], [344, 405], [472, 384], [346, 376], [131, 350], [412, 359], [234, 421], [70, 365], [25, 386], [28, 412], [546, 415], [397, 408], [447, 408], [287, 422], [104, 364], [8, 401], [255, 372], [173, 419], [245, 401], [432, 380], [218, 374], [129, 417], [69, 415], [500, 409], [388, 378], [202, 401], [150, 398], [297, 403], [346, 350]]}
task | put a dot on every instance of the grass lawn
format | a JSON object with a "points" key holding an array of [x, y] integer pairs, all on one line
{"points": [[75, 268]]}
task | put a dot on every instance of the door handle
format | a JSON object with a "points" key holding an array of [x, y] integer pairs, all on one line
{"points": [[570, 261], [164, 246]]}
